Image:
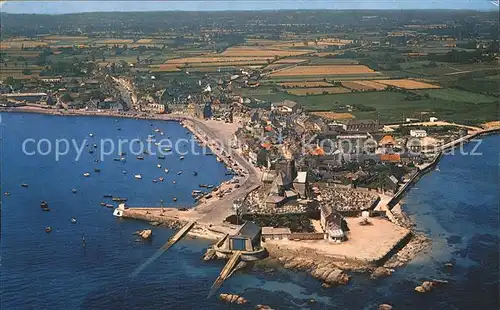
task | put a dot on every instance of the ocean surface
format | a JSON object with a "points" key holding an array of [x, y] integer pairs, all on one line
{"points": [[457, 207]]}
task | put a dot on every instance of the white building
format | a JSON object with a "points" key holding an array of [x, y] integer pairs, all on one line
{"points": [[418, 133], [433, 119]]}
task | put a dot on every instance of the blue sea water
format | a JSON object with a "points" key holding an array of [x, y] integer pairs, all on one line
{"points": [[456, 206]]}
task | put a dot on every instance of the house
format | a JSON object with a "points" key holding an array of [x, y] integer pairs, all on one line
{"points": [[301, 185], [285, 106], [433, 119], [272, 233], [354, 125], [418, 133], [391, 184], [333, 223], [247, 239]]}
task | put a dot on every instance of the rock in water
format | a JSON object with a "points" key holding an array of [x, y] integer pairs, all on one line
{"points": [[233, 299], [381, 272], [427, 286], [263, 307], [384, 307], [420, 289], [145, 234]]}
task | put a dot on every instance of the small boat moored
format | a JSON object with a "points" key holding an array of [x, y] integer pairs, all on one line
{"points": [[179, 173], [97, 170], [181, 158], [120, 199], [48, 229], [138, 176], [166, 170], [161, 179], [159, 166], [195, 173], [7, 193], [24, 185], [103, 204], [86, 174], [140, 157], [73, 190], [73, 220]]}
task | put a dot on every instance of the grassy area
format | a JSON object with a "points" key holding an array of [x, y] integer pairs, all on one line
{"points": [[389, 106], [456, 95]]}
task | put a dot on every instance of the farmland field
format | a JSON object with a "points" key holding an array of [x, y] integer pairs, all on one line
{"points": [[317, 90], [457, 95], [290, 60], [333, 115], [305, 84], [407, 84], [246, 51], [363, 85], [217, 59], [324, 70]]}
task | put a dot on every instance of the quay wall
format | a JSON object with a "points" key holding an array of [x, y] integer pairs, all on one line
{"points": [[417, 175]]}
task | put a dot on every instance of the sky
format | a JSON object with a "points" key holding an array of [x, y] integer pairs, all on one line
{"points": [[68, 6]]}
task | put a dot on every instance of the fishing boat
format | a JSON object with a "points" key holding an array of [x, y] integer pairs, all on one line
{"points": [[110, 206], [86, 174], [91, 134], [179, 173], [175, 198], [103, 204], [123, 158], [138, 176], [94, 145], [195, 173], [44, 204], [121, 199], [73, 190], [219, 160], [6, 194], [161, 133], [173, 182], [182, 157], [161, 179], [210, 186], [202, 185], [196, 192], [161, 157], [156, 130], [123, 153], [48, 229], [159, 166], [124, 171], [97, 170], [24, 185], [157, 143], [140, 157], [166, 170], [91, 151], [108, 196], [73, 220], [146, 152], [167, 149]]}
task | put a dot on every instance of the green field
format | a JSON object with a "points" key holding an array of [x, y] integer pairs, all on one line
{"points": [[456, 95], [389, 106]]}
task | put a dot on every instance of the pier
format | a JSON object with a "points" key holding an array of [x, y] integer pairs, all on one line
{"points": [[225, 272]]}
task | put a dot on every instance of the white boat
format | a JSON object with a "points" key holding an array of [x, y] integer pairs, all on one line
{"points": [[219, 160], [91, 134], [138, 176], [179, 173], [157, 130], [166, 170], [161, 133], [159, 166], [86, 174], [182, 157], [73, 220]]}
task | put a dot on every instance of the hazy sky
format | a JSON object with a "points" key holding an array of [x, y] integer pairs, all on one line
{"points": [[68, 6]]}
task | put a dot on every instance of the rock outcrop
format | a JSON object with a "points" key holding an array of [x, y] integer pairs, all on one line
{"points": [[233, 299], [384, 307], [327, 272], [427, 286], [417, 244], [263, 307], [145, 233], [381, 272]]}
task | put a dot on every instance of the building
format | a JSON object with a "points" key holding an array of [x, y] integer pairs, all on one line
{"points": [[354, 125], [247, 239], [418, 133], [433, 119], [285, 106], [333, 223], [26, 97], [301, 185], [155, 108], [271, 233]]}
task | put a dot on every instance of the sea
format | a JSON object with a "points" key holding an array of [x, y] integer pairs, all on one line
{"points": [[457, 206]]}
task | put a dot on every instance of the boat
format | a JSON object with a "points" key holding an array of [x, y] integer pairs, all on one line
{"points": [[94, 145], [140, 157], [108, 205], [6, 194], [161, 179], [175, 198], [156, 130], [86, 174], [166, 170], [116, 159], [159, 166], [173, 182], [91, 151], [96, 160], [146, 152], [97, 170], [108, 196], [73, 220], [24, 185], [138, 176], [103, 204], [219, 160], [202, 185], [122, 158], [83, 241], [157, 143], [155, 181], [161, 157], [196, 192], [119, 199], [195, 173], [73, 190], [209, 153], [124, 171], [210, 186], [91, 134], [123, 153], [161, 133], [44, 204], [167, 149], [48, 229], [179, 173], [182, 157]]}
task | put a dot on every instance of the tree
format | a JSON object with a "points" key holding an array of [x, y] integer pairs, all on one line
{"points": [[27, 72], [66, 97]]}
